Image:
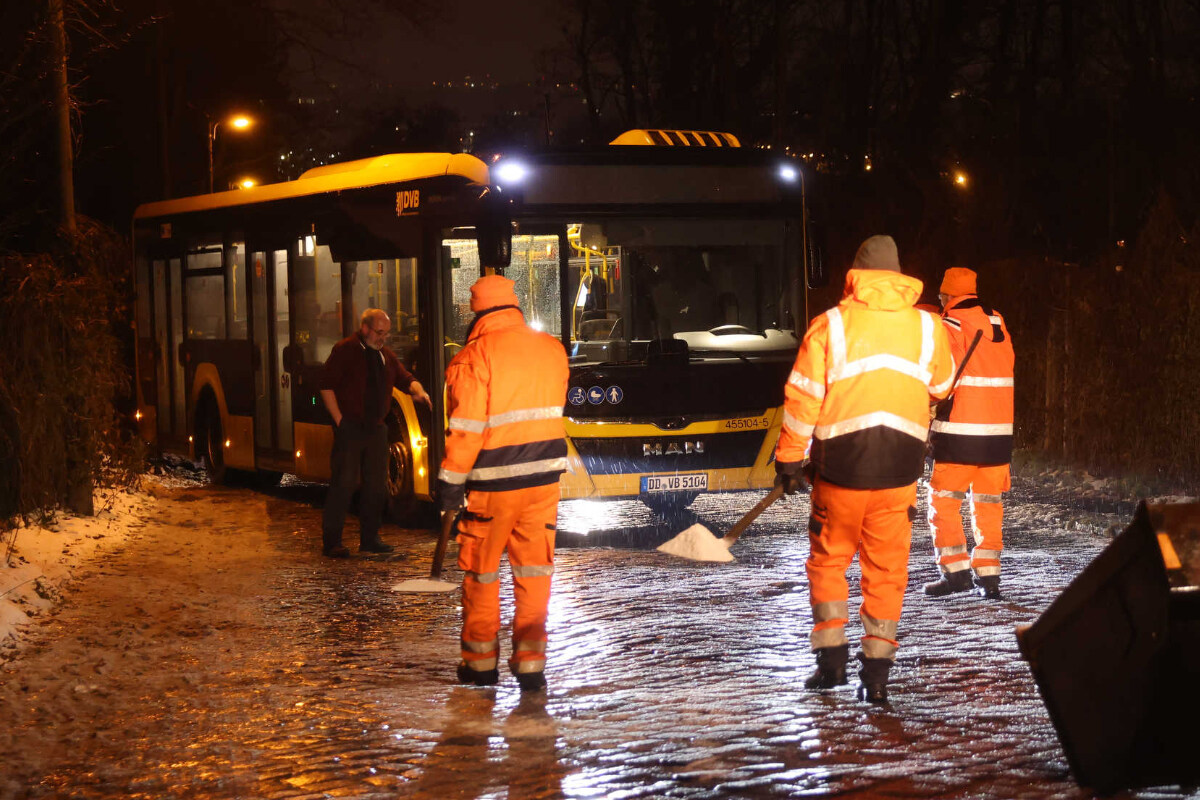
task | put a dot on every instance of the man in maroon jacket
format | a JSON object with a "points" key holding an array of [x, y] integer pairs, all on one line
{"points": [[356, 387]]}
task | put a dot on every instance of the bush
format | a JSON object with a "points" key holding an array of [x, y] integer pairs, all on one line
{"points": [[1106, 351], [62, 372]]}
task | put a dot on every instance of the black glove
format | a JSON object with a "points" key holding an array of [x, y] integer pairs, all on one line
{"points": [[790, 476], [451, 496]]}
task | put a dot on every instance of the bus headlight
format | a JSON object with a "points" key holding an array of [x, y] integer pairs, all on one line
{"points": [[511, 172]]}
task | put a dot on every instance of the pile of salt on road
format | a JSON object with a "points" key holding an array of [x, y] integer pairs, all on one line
{"points": [[424, 585], [697, 543]]}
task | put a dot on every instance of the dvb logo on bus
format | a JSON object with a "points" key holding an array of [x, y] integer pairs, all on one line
{"points": [[408, 202]]}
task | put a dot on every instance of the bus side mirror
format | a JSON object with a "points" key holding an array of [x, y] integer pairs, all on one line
{"points": [[817, 272], [494, 233]]}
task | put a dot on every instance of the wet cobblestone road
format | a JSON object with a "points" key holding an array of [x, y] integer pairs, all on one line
{"points": [[280, 674]]}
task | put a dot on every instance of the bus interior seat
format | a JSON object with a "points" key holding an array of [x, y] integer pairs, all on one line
{"points": [[600, 324]]}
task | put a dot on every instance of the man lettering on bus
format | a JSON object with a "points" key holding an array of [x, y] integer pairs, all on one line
{"points": [[505, 451], [857, 404], [972, 444], [356, 387]]}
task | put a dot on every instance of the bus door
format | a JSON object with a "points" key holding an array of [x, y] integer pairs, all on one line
{"points": [[167, 313], [268, 273], [534, 270], [281, 333]]}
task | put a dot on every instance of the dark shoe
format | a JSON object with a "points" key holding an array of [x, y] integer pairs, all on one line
{"points": [[831, 667], [873, 679], [488, 677], [531, 681], [377, 546], [951, 583], [988, 587], [337, 551]]}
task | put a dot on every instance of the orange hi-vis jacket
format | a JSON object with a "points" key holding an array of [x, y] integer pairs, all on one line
{"points": [[862, 382], [507, 388], [975, 426]]}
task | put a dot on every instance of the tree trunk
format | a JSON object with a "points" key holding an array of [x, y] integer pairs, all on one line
{"points": [[62, 114]]}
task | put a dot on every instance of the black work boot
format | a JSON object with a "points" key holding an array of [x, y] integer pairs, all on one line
{"points": [[531, 681], [487, 677], [988, 587], [951, 583], [831, 667], [873, 679], [375, 545]]}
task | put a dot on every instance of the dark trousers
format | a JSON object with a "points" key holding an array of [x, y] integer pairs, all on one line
{"points": [[360, 453]]}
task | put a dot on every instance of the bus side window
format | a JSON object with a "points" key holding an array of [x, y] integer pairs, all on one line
{"points": [[205, 295], [389, 284], [235, 288], [316, 297]]}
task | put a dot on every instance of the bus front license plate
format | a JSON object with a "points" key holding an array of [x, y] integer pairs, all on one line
{"points": [[675, 483]]}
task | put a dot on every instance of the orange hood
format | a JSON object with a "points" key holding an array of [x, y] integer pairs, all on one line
{"points": [[881, 290]]}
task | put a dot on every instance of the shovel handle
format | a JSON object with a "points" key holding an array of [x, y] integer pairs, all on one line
{"points": [[752, 515], [439, 552]]}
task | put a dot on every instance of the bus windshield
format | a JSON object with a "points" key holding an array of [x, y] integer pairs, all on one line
{"points": [[718, 285]]}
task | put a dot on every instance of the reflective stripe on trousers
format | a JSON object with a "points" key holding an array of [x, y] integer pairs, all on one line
{"points": [[480, 656], [983, 488], [875, 524], [521, 522]]}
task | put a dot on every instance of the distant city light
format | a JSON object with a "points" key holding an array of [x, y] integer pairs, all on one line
{"points": [[960, 179], [247, 183]]}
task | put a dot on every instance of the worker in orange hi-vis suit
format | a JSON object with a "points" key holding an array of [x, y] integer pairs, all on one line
{"points": [[972, 434], [859, 397], [505, 451]]}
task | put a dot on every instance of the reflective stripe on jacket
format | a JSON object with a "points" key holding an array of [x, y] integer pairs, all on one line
{"points": [[860, 389], [975, 426], [506, 391]]}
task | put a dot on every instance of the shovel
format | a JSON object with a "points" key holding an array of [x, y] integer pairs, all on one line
{"points": [[740, 526], [434, 583]]}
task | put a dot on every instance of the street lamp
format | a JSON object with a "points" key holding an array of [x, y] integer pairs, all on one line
{"points": [[239, 122]]}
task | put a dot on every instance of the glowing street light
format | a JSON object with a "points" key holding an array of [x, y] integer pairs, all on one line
{"points": [[239, 122], [247, 183], [960, 179]]}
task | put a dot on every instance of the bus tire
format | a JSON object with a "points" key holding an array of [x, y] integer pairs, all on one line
{"points": [[210, 441], [400, 498], [668, 504]]}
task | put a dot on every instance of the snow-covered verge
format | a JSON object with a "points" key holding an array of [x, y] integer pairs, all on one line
{"points": [[1101, 503], [38, 562]]}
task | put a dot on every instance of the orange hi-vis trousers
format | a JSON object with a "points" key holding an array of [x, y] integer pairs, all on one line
{"points": [[523, 522], [984, 487], [877, 525]]}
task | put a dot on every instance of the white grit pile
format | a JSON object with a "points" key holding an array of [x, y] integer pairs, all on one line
{"points": [[424, 585], [697, 543]]}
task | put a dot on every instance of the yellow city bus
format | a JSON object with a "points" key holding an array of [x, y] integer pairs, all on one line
{"points": [[674, 266], [242, 294]]}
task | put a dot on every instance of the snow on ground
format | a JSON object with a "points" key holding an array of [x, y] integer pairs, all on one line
{"points": [[38, 562]]}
